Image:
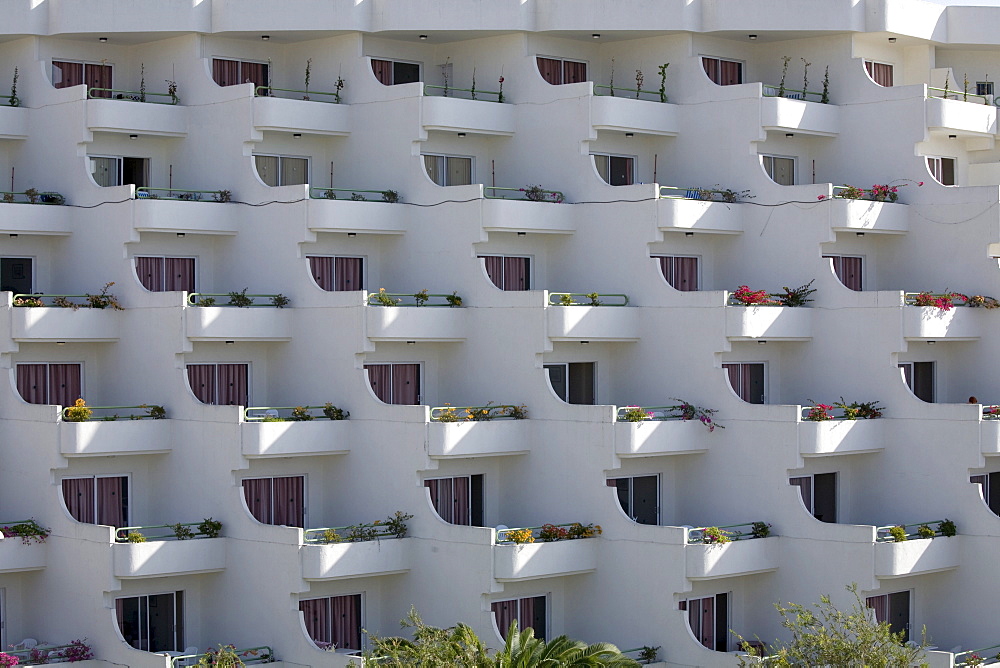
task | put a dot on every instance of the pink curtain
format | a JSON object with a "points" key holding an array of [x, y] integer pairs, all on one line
{"points": [[201, 378], [380, 377], [178, 274], [150, 272], [461, 488], [257, 492], [574, 72], [711, 66], [551, 71], [70, 74], [98, 76], [685, 274], [730, 72], [526, 616], [316, 613], [65, 384], [289, 500], [232, 384], [880, 604], [804, 483], [346, 618], [505, 613], [383, 71], [33, 383], [255, 73], [120, 612], [322, 271], [629, 171], [708, 622], [880, 73], [79, 496], [225, 72], [406, 384], [515, 273], [494, 269], [347, 274], [735, 378], [850, 273], [112, 501]]}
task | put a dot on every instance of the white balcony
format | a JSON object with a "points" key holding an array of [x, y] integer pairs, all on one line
{"points": [[477, 439], [630, 115], [296, 439], [41, 219], [989, 437], [914, 557], [317, 116], [98, 438], [693, 215], [475, 116], [13, 122], [856, 215], [144, 118], [338, 561], [651, 438], [154, 559], [415, 323], [342, 215], [516, 215], [841, 437], [957, 116], [930, 323], [771, 323], [53, 323], [229, 323], [812, 118], [725, 560], [592, 323], [16, 556], [205, 217], [530, 561]]}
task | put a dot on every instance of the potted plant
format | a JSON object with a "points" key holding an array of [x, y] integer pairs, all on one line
{"points": [[334, 413], [634, 414], [714, 536], [898, 534], [760, 529], [210, 527], [78, 412]]}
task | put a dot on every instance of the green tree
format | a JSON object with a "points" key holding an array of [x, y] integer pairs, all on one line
{"points": [[833, 637], [524, 650]]}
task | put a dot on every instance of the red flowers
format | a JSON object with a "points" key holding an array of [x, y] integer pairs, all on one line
{"points": [[744, 295]]}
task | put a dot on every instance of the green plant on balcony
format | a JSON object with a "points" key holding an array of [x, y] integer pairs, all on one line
{"points": [[78, 412], [688, 411], [517, 412], [384, 299], [577, 530], [851, 192], [206, 301], [358, 197], [390, 196], [135, 537], [594, 298], [648, 654], [172, 90], [280, 301], [331, 536], [32, 195], [28, 301], [747, 297], [154, 412], [182, 532], [925, 531], [309, 62], [947, 528], [334, 413], [859, 410], [362, 532], [448, 414], [520, 536], [396, 523], [52, 198], [337, 87], [453, 299], [240, 299], [13, 101], [898, 534], [224, 657], [945, 301], [663, 85], [795, 296], [760, 529], [565, 300], [714, 536], [63, 302], [784, 72], [28, 531], [634, 414], [301, 414], [818, 412], [825, 98], [982, 301], [8, 198], [103, 300], [222, 196], [421, 297], [210, 527]]}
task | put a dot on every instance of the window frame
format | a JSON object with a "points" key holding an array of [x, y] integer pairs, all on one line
{"points": [[444, 169], [135, 268], [178, 615], [305, 496], [864, 66], [985, 86], [364, 267], [75, 61], [940, 168], [609, 156], [864, 267], [562, 68], [685, 605], [216, 364], [34, 265], [129, 488], [420, 389], [698, 259], [282, 157], [910, 385], [565, 365], [910, 605], [720, 60], [631, 494], [531, 268], [240, 60], [48, 378], [469, 477], [767, 375], [421, 70], [773, 157]]}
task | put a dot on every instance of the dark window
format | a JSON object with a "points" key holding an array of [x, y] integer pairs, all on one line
{"points": [[15, 275]]}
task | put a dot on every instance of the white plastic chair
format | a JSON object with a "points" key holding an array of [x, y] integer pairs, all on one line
{"points": [[192, 661], [27, 643], [271, 413]]}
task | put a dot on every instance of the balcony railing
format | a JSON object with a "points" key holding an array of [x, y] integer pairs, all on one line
{"points": [[354, 533], [474, 93], [533, 194], [704, 194], [183, 194], [357, 194], [991, 412], [294, 413], [593, 299], [31, 197], [963, 96], [632, 92], [913, 531], [262, 654], [44, 654], [236, 299], [732, 532], [129, 95], [153, 412], [382, 298], [547, 533], [204, 529], [477, 413], [38, 300], [268, 91], [975, 657], [791, 93], [12, 100]]}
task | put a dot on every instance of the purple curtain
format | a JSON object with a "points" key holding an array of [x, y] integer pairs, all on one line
{"points": [[515, 273], [685, 274], [232, 384], [346, 618], [850, 272], [711, 66], [804, 483], [708, 622], [526, 616], [225, 72], [735, 378], [257, 492], [150, 272], [79, 496], [322, 271], [494, 269], [380, 377], [434, 486], [574, 72], [289, 500], [98, 76], [65, 384], [255, 73], [730, 72], [406, 384], [178, 274], [201, 378], [551, 71], [880, 604], [446, 500], [112, 508], [33, 383], [347, 274], [382, 69], [461, 490], [316, 613], [879, 72], [70, 74], [505, 613]]}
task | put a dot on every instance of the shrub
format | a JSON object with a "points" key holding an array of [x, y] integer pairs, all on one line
{"points": [[301, 414], [453, 299], [795, 296], [898, 534], [396, 523], [634, 414], [390, 196], [280, 301], [577, 530], [594, 299], [421, 297], [78, 650], [358, 197], [27, 531], [384, 299], [182, 532], [28, 301], [819, 413], [852, 192], [104, 300], [860, 410], [947, 528], [747, 297], [517, 412], [32, 195], [135, 537], [334, 413], [566, 300], [222, 196], [760, 529], [925, 531], [331, 536], [155, 412], [78, 412], [210, 527], [206, 301], [224, 657], [982, 301], [240, 299], [714, 535], [63, 302], [447, 414], [648, 654], [362, 532], [8, 661]]}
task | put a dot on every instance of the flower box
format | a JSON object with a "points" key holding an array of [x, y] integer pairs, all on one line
{"points": [[739, 557], [912, 557], [52, 323], [530, 561], [17, 556], [120, 437], [291, 439], [468, 438], [229, 323], [840, 437], [773, 323], [337, 561], [661, 437]]}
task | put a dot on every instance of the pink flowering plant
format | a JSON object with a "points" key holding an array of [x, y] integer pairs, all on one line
{"points": [[818, 412], [634, 414], [879, 192], [8, 660], [688, 411], [945, 301], [747, 297]]}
